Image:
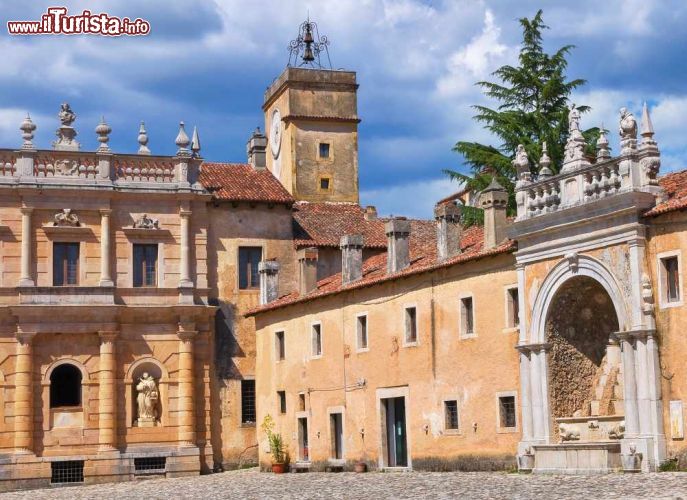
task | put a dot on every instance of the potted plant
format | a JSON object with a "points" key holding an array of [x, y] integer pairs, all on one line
{"points": [[276, 442]]}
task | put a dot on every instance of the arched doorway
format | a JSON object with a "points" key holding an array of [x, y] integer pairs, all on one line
{"points": [[584, 365]]}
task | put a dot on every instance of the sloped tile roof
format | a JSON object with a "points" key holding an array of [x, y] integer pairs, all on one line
{"points": [[675, 186], [423, 258], [323, 225], [242, 182]]}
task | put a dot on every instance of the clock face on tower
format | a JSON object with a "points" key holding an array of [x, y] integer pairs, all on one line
{"points": [[275, 133]]}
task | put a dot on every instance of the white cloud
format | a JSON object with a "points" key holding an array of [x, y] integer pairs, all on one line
{"points": [[416, 199]]}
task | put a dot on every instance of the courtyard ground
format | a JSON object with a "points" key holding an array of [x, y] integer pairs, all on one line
{"points": [[252, 484]]}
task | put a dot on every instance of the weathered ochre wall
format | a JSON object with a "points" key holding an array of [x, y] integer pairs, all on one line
{"points": [[668, 233], [442, 366], [231, 227]]}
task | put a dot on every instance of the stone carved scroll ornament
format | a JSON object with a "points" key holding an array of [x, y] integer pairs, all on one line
{"points": [[66, 218]]}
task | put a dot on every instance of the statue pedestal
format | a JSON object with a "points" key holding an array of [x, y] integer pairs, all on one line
{"points": [[66, 139], [145, 422]]}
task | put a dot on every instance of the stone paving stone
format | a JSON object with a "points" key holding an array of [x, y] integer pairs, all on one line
{"points": [[251, 484]]}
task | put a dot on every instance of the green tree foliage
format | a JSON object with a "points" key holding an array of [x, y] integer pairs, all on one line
{"points": [[532, 108]]}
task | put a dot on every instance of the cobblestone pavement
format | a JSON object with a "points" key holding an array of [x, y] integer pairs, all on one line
{"points": [[255, 485]]}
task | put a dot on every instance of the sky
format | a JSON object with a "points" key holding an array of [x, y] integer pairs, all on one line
{"points": [[209, 62]]}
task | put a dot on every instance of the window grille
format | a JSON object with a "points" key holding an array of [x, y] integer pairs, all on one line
{"points": [[451, 410], [507, 411], [68, 471], [150, 464], [248, 401]]}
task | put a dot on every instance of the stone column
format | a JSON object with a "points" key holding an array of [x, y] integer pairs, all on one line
{"points": [[23, 394], [525, 398], [536, 375], [629, 387], [642, 375], [185, 258], [105, 274], [25, 279], [107, 402], [187, 432]]}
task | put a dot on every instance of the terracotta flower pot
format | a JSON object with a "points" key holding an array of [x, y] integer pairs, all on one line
{"points": [[360, 467], [278, 468]]}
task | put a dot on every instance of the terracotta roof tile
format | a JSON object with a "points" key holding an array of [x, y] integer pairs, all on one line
{"points": [[323, 225], [423, 258], [675, 186], [242, 182]]}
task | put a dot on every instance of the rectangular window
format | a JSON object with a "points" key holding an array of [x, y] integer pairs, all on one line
{"points": [[451, 415], [325, 183], [65, 264], [279, 345], [513, 307], [68, 471], [361, 325], [301, 402], [467, 320], [145, 265], [324, 150], [671, 279], [317, 340], [411, 325], [507, 411], [282, 401], [249, 258], [248, 401]]}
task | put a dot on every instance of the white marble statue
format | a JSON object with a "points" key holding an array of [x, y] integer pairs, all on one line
{"points": [[66, 115], [628, 125], [521, 162], [147, 399], [568, 432], [573, 119]]}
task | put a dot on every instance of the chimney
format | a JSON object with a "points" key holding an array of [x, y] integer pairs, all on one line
{"points": [[307, 270], [255, 149], [351, 258], [494, 200], [370, 212], [448, 230], [398, 252], [269, 281]]}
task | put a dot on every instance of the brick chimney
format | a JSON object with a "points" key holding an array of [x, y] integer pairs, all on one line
{"points": [[494, 200], [269, 281], [370, 212], [398, 249], [351, 258], [307, 270], [448, 230], [255, 149]]}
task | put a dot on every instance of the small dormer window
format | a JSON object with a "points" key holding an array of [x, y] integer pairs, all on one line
{"points": [[324, 150], [325, 183]]}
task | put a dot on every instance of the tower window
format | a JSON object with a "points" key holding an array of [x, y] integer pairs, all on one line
{"points": [[324, 150], [325, 183], [65, 386]]}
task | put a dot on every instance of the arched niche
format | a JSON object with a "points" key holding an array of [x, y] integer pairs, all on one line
{"points": [[73, 414], [159, 373]]}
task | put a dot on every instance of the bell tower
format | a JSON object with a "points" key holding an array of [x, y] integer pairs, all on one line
{"points": [[311, 119]]}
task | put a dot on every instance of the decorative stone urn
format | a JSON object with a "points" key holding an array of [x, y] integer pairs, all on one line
{"points": [[632, 462]]}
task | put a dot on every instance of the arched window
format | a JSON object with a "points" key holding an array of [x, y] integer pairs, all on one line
{"points": [[65, 386]]}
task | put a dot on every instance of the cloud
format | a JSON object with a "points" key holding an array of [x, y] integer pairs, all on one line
{"points": [[415, 200]]}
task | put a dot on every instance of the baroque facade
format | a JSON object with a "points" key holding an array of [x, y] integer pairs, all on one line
{"points": [[155, 309]]}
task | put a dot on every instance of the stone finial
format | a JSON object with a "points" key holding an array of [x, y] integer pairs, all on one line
{"points": [[602, 151], [143, 140], [522, 163], [195, 142], [544, 163], [27, 127], [648, 142], [182, 141], [103, 130]]}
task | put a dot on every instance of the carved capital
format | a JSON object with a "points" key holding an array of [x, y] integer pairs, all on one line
{"points": [[25, 338], [108, 336], [105, 212], [26, 210]]}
